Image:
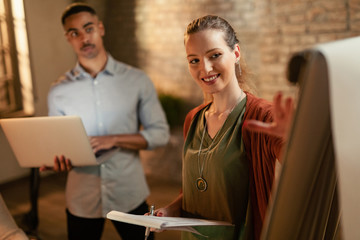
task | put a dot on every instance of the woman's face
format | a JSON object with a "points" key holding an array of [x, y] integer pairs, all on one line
{"points": [[211, 61]]}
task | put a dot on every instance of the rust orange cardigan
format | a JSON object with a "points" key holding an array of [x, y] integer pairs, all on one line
{"points": [[261, 150]]}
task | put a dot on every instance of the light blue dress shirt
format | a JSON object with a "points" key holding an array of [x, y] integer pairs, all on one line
{"points": [[119, 100]]}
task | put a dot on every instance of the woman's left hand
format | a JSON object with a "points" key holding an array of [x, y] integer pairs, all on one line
{"points": [[283, 113]]}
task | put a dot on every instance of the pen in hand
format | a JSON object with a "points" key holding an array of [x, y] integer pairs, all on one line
{"points": [[147, 231]]}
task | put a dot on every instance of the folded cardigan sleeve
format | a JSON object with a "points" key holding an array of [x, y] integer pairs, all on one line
{"points": [[262, 150]]}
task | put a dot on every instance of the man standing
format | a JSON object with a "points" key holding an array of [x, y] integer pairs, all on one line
{"points": [[119, 107]]}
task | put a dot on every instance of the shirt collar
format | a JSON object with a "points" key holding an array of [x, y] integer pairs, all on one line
{"points": [[110, 65], [79, 72]]}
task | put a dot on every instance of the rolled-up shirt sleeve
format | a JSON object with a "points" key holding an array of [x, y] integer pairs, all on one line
{"points": [[152, 117]]}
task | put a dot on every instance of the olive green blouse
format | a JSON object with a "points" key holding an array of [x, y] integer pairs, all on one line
{"points": [[226, 172]]}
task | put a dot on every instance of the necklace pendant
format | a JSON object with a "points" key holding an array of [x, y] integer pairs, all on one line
{"points": [[201, 184]]}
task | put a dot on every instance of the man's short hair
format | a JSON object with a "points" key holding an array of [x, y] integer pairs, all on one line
{"points": [[76, 8]]}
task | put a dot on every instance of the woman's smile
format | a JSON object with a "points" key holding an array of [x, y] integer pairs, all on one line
{"points": [[211, 78]]}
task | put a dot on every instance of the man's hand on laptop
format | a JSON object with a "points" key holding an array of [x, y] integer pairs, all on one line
{"points": [[61, 164]]}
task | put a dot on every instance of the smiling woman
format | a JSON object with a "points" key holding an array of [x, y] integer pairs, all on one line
{"points": [[232, 141]]}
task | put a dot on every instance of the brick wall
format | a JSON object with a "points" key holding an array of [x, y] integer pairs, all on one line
{"points": [[149, 34], [291, 26]]}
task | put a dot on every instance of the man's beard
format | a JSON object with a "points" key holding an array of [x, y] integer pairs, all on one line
{"points": [[89, 53]]}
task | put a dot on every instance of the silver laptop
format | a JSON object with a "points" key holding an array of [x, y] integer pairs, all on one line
{"points": [[36, 140]]}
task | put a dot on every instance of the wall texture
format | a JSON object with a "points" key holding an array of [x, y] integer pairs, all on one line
{"points": [[149, 34]]}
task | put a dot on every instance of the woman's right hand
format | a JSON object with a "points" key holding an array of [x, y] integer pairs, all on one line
{"points": [[171, 210], [163, 212], [166, 212]]}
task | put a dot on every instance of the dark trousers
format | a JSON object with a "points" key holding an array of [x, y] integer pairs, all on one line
{"points": [[92, 228]]}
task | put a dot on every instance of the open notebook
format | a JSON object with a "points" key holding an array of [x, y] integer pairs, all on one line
{"points": [[164, 223], [36, 140]]}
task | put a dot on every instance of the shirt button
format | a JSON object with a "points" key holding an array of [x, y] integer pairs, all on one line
{"points": [[95, 82]]}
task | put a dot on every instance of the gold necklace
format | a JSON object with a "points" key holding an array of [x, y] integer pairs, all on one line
{"points": [[201, 183]]}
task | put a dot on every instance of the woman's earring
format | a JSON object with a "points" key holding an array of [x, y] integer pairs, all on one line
{"points": [[239, 66]]}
